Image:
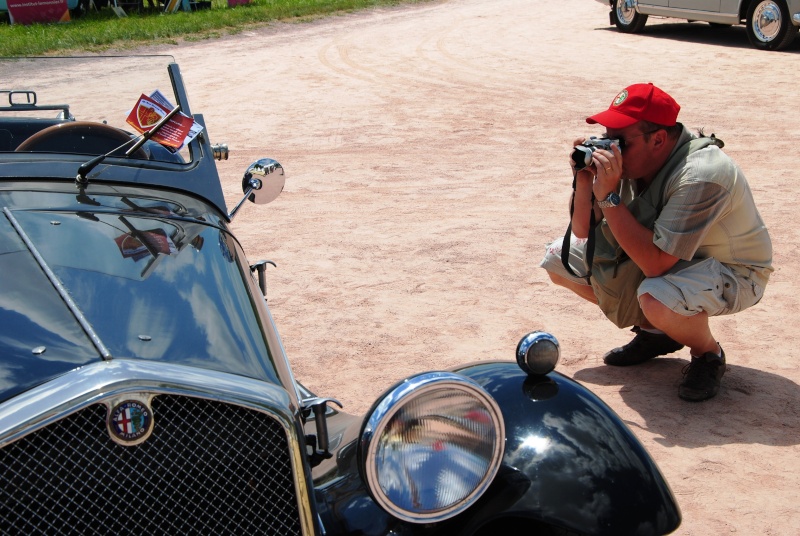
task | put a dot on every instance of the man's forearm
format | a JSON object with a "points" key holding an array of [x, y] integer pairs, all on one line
{"points": [[582, 206], [637, 241]]}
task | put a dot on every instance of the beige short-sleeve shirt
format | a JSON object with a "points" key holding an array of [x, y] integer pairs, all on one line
{"points": [[709, 211]]}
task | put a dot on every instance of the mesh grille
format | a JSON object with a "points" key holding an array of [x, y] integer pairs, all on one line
{"points": [[208, 468]]}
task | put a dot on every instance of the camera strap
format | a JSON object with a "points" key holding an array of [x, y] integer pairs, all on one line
{"points": [[567, 243]]}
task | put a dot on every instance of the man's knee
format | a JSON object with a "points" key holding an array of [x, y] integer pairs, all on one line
{"points": [[651, 307], [656, 312]]}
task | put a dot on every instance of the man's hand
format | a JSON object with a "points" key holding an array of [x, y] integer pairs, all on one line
{"points": [[584, 177], [582, 200], [608, 166]]}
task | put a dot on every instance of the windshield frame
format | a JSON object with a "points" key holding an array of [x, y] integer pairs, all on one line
{"points": [[197, 174]]}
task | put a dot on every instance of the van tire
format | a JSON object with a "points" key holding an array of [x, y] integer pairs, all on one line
{"points": [[626, 19], [769, 26]]}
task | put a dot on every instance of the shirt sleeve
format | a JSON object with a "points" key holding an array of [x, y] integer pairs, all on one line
{"points": [[696, 199]]}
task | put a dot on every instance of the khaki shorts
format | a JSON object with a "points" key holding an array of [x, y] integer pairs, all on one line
{"points": [[704, 285], [577, 254], [688, 288]]}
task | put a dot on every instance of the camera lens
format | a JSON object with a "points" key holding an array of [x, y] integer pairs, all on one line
{"points": [[582, 156]]}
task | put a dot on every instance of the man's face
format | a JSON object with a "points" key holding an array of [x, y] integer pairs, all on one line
{"points": [[637, 151]]}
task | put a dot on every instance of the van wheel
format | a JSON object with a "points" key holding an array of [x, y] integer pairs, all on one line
{"points": [[769, 26], [625, 17]]}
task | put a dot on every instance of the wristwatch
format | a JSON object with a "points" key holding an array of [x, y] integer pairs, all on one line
{"points": [[611, 200]]}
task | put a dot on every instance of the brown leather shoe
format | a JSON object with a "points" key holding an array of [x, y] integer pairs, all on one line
{"points": [[643, 347]]}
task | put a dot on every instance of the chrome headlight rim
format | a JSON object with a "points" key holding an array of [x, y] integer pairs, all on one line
{"points": [[387, 407]]}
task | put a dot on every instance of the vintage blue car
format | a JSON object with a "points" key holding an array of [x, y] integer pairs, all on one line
{"points": [[144, 388]]}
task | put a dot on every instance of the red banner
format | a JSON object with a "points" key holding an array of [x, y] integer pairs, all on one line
{"points": [[33, 11], [148, 112], [145, 244]]}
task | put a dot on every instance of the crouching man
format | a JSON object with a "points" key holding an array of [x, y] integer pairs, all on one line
{"points": [[664, 234]]}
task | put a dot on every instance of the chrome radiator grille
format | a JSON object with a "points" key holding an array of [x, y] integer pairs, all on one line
{"points": [[208, 468]]}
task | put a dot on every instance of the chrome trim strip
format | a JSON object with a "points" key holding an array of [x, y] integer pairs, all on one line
{"points": [[688, 14], [88, 385], [281, 360], [59, 286], [104, 380], [277, 351]]}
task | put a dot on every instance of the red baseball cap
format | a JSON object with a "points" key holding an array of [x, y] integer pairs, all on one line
{"points": [[639, 102]]}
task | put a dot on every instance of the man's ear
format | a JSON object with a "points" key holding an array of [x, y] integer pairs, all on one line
{"points": [[660, 139]]}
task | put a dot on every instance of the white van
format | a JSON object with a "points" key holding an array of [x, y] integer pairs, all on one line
{"points": [[771, 24]]}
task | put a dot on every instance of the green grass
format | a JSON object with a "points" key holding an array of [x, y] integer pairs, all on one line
{"points": [[101, 30]]}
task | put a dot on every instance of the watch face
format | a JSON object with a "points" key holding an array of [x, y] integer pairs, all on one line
{"points": [[611, 200]]}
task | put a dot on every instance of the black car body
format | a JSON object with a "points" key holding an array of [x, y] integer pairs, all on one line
{"points": [[144, 387]]}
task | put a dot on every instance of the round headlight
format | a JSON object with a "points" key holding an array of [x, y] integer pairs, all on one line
{"points": [[431, 446]]}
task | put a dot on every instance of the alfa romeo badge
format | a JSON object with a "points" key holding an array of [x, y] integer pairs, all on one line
{"points": [[130, 422]]}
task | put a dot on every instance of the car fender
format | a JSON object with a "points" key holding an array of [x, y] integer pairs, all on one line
{"points": [[569, 460]]}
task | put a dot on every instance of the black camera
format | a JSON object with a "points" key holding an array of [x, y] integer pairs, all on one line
{"points": [[582, 155]]}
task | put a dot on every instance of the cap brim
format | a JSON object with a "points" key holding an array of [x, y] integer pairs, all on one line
{"points": [[612, 119]]}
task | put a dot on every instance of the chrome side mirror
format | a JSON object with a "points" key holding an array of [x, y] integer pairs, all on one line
{"points": [[262, 183]]}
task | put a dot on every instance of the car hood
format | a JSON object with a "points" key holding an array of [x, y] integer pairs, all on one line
{"points": [[121, 273]]}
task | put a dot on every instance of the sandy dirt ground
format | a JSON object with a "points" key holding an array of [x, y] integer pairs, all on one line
{"points": [[426, 154]]}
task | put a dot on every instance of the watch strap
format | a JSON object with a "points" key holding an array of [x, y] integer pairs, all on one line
{"points": [[611, 200]]}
